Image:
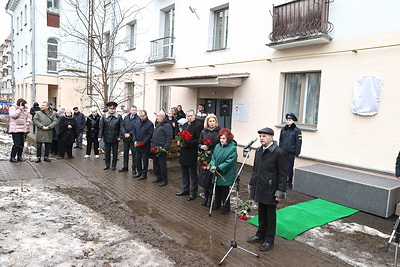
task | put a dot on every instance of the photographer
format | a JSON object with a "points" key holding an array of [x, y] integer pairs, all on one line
{"points": [[19, 127], [223, 164]]}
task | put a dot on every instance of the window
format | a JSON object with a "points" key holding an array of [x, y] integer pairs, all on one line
{"points": [[52, 51], [169, 28], [17, 25], [21, 20], [26, 55], [106, 44], [302, 96], [131, 35], [165, 95], [52, 6], [26, 14], [17, 60], [130, 90], [220, 33], [22, 57]]}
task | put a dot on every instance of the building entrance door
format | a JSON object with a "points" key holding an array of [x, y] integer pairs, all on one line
{"points": [[222, 108]]}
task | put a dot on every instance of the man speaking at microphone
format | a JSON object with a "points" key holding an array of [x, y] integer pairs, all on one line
{"points": [[267, 186]]}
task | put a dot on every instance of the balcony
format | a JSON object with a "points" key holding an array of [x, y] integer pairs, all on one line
{"points": [[162, 52], [300, 23]]}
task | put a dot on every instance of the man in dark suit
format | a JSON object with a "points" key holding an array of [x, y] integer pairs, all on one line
{"points": [[127, 128], [188, 156], [142, 135]]}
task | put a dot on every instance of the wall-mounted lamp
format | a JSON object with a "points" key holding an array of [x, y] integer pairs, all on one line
{"points": [[193, 10]]}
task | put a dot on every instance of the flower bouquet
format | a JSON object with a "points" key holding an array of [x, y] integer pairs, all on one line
{"points": [[139, 145], [183, 137], [158, 151], [101, 151], [244, 209]]}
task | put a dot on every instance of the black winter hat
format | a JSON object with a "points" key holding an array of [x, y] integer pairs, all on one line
{"points": [[291, 115]]}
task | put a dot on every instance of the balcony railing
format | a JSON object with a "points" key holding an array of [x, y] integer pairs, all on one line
{"points": [[162, 51], [300, 19]]}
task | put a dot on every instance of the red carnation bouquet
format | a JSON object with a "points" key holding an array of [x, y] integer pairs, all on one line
{"points": [[183, 137], [158, 151], [139, 145], [205, 155]]}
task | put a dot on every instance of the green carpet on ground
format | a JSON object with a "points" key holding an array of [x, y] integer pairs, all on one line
{"points": [[296, 219]]}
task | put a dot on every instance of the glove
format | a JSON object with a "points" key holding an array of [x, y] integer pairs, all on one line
{"points": [[213, 169]]}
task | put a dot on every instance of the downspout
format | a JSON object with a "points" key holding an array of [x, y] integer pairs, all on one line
{"points": [[12, 56], [111, 85], [33, 14]]}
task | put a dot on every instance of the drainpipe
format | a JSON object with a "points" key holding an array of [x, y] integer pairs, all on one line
{"points": [[12, 57], [111, 85], [33, 15]]}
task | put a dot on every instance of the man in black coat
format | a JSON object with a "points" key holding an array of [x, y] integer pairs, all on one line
{"points": [[290, 140], [35, 109], [81, 122], [142, 134], [92, 126], [127, 128], [267, 186], [188, 157], [162, 137], [110, 131]]}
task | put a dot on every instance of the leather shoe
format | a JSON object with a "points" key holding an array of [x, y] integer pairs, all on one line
{"points": [[138, 175], [156, 181], [38, 160], [191, 197], [134, 172], [143, 177], [106, 167], [163, 184], [182, 193], [123, 170], [47, 160], [13, 160], [266, 246], [255, 239], [20, 159]]}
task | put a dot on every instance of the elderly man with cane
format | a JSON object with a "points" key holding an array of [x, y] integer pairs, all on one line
{"points": [[267, 186]]}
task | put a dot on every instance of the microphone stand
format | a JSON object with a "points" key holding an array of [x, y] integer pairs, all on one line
{"points": [[396, 234], [234, 244]]}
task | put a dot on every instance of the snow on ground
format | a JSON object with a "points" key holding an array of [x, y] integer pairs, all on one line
{"points": [[47, 228], [325, 239]]}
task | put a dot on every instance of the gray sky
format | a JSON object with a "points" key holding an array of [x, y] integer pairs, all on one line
{"points": [[5, 21]]}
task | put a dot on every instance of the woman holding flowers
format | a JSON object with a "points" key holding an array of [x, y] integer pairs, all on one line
{"points": [[223, 165], [207, 141]]}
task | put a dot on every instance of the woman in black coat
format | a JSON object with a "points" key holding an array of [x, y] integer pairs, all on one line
{"points": [[68, 128], [210, 132]]}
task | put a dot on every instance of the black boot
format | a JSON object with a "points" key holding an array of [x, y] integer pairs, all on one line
{"points": [[206, 196]]}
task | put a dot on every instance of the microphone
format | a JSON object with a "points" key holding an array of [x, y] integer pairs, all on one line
{"points": [[250, 143]]}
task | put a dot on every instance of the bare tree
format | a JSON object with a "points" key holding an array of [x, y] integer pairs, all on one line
{"points": [[99, 27]]}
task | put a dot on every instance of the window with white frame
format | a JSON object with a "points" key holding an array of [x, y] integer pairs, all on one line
{"points": [[301, 96], [17, 25], [106, 43], [131, 35], [26, 15], [220, 31], [52, 51], [18, 60], [26, 55], [130, 91], [22, 57], [52, 6], [22, 23], [165, 96]]}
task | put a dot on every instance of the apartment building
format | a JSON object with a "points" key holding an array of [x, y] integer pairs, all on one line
{"points": [[6, 70], [333, 63], [38, 46]]}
